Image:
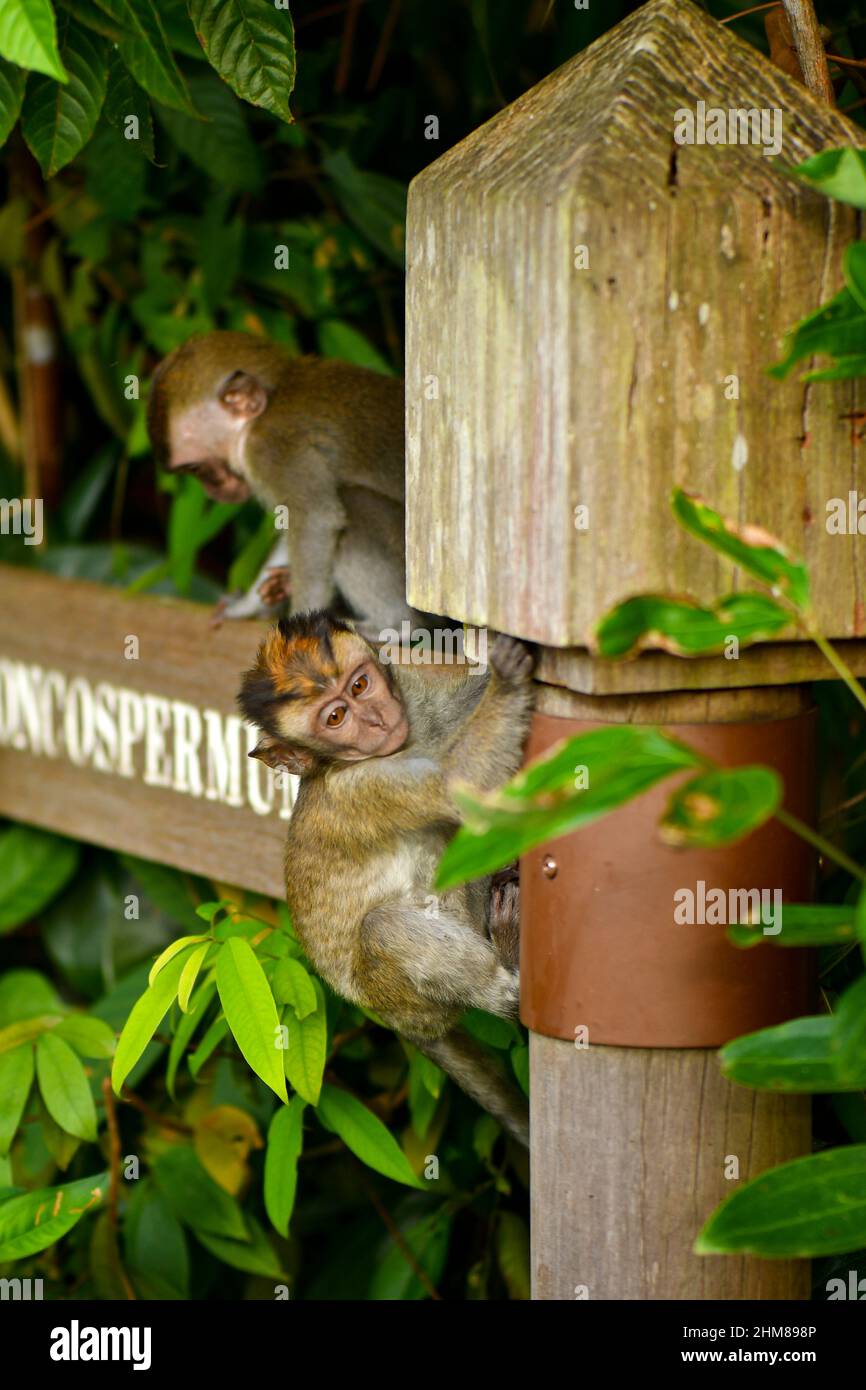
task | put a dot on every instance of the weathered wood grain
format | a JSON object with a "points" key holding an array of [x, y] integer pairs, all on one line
{"points": [[79, 630], [628, 1153], [535, 387]]}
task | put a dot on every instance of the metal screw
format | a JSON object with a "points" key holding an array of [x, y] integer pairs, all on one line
{"points": [[549, 866]]}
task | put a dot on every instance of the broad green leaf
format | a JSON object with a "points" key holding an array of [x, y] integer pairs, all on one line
{"points": [[36, 1220], [285, 1141], [143, 1021], [195, 1198], [375, 203], [797, 1057], [838, 173], [495, 1032], [751, 547], [363, 1133], [860, 919], [61, 1145], [849, 1038], [16, 1078], [189, 975], [171, 951], [26, 1030], [12, 82], [520, 1066], [836, 329], [208, 911], [64, 1087], [25, 994], [578, 781], [304, 1058], [155, 1246], [220, 144], [211, 1040], [198, 1007], [292, 984], [854, 267], [251, 45], [683, 627], [123, 99], [250, 1011], [422, 1101], [34, 866], [146, 51], [255, 1256], [174, 893], [427, 1234], [89, 1036], [812, 1206], [58, 120], [803, 924], [28, 36], [341, 340], [719, 808]]}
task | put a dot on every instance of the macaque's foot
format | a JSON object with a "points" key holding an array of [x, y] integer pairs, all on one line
{"points": [[511, 660], [276, 587], [505, 923]]}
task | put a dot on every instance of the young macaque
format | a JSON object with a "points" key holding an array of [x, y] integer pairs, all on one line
{"points": [[377, 748], [320, 438]]}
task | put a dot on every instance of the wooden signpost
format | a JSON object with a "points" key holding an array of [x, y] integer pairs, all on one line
{"points": [[118, 726], [595, 290]]}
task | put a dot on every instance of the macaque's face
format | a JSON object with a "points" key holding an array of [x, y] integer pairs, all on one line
{"points": [[205, 440], [360, 716]]}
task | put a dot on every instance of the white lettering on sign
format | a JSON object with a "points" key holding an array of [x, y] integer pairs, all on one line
{"points": [[161, 742]]}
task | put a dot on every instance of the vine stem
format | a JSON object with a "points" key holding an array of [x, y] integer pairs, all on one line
{"points": [[818, 842], [838, 665]]}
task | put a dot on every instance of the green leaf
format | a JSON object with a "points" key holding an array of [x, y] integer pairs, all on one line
{"points": [[719, 808], [363, 1133], [578, 781], [427, 1234], [168, 889], [849, 1039], [57, 121], [683, 627], [16, 1078], [89, 1036], [189, 975], [211, 1040], [375, 204], [803, 924], [171, 951], [26, 1030], [28, 36], [36, 1220], [12, 83], [65, 1088], [194, 1197], [26, 994], [146, 51], [797, 1057], [837, 173], [145, 1018], [835, 329], [155, 1246], [512, 1250], [252, 47], [285, 1141], [860, 919], [292, 984], [220, 144], [124, 98], [34, 866], [256, 1256], [185, 1029], [854, 269], [305, 1055], [812, 1206], [754, 549], [250, 1011], [341, 340]]}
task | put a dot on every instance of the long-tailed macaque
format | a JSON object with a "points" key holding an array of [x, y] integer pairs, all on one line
{"points": [[322, 440], [376, 748]]}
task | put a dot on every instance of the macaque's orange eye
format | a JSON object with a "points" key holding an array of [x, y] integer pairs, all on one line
{"points": [[360, 685], [336, 717]]}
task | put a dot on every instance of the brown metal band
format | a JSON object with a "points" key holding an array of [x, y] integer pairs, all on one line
{"points": [[600, 947]]}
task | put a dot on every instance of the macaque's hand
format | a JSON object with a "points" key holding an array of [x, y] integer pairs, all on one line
{"points": [[511, 660], [276, 588]]}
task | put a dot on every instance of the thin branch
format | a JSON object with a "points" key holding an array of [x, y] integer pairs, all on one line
{"points": [[753, 9], [400, 1241], [809, 47], [114, 1161]]}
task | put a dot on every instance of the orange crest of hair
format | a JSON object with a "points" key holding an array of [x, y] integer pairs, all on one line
{"points": [[304, 665]]}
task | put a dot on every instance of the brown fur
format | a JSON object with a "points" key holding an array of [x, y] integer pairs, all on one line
{"points": [[364, 842]]}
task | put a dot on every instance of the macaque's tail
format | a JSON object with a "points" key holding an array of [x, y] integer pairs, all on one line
{"points": [[483, 1077]]}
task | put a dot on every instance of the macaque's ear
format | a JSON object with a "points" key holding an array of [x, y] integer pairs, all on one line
{"points": [[243, 396], [276, 754]]}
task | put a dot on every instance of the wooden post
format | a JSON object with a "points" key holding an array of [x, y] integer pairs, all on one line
{"points": [[591, 306]]}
